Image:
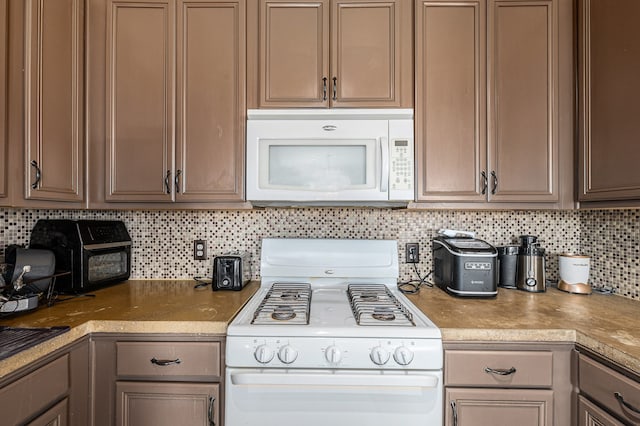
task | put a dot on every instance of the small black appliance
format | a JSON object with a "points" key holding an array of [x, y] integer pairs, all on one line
{"points": [[465, 266], [231, 271]]}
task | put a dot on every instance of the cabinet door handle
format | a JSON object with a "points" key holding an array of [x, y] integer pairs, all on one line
{"points": [[165, 362], [624, 403], [324, 88], [495, 182], [166, 182], [176, 181], [335, 88], [35, 184], [211, 412], [485, 182], [500, 371], [454, 410]]}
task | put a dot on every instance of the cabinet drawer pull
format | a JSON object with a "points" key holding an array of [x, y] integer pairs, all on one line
{"points": [[624, 403], [166, 182], [177, 180], [165, 362], [335, 89], [210, 414], [500, 371], [454, 411], [485, 183], [495, 183], [34, 185], [324, 88]]}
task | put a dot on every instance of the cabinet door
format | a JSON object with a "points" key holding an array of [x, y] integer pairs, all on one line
{"points": [[609, 62], [140, 100], [55, 416], [498, 407], [293, 53], [591, 415], [167, 404], [366, 52], [523, 100], [54, 70], [451, 97], [211, 100], [4, 29]]}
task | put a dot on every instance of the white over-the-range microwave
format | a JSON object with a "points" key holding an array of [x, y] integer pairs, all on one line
{"points": [[330, 157]]}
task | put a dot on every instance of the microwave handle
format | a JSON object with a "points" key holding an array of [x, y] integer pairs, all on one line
{"points": [[384, 168]]}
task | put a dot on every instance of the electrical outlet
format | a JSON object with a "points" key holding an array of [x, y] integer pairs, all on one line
{"points": [[200, 249], [413, 253]]}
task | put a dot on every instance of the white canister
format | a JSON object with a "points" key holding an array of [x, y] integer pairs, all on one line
{"points": [[574, 268]]}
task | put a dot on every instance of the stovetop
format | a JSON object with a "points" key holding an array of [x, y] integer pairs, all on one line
{"points": [[14, 340]]}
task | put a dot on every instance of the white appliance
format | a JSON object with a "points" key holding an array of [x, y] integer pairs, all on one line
{"points": [[329, 340], [330, 157]]}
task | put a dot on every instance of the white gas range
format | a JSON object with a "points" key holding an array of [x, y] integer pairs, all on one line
{"points": [[329, 339]]}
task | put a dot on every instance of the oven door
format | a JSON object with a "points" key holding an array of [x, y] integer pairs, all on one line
{"points": [[332, 397]]}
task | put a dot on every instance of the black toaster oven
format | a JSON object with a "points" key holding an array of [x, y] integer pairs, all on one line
{"points": [[96, 252]]}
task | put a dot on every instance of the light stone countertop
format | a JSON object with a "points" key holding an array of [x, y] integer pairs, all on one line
{"points": [[608, 325]]}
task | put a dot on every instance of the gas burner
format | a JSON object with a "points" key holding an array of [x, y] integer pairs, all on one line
{"points": [[383, 314], [284, 303], [374, 304], [283, 313]]}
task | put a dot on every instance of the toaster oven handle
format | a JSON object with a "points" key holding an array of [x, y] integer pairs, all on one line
{"points": [[384, 166]]}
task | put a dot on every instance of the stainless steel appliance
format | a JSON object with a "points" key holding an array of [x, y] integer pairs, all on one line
{"points": [[464, 266], [330, 157], [96, 252], [231, 271], [329, 340], [531, 265]]}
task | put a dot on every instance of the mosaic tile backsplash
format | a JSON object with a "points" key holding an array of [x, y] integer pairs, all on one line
{"points": [[163, 240]]}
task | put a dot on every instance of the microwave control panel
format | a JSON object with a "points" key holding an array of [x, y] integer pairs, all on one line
{"points": [[401, 167]]}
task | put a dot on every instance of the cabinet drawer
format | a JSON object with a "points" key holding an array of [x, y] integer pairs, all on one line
{"points": [[602, 384], [483, 368], [34, 392], [165, 359]]}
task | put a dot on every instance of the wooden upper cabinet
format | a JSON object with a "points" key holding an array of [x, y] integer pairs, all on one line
{"points": [[494, 101], [54, 81], [450, 111], [140, 100], [211, 100], [609, 90], [523, 100], [331, 53], [4, 39]]}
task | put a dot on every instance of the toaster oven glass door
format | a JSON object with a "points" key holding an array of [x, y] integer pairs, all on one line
{"points": [[107, 266]]}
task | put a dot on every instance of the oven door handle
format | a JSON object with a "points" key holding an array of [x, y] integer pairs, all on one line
{"points": [[319, 379]]}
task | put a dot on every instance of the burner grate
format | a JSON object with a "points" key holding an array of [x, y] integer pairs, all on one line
{"points": [[285, 303], [373, 304]]}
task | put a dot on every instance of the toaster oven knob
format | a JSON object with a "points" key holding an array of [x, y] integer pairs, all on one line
{"points": [[403, 355], [287, 354], [332, 354], [379, 355], [263, 354]]}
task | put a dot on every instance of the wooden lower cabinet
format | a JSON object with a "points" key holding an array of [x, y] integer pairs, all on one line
{"points": [[55, 416], [504, 384], [590, 414], [498, 407], [159, 404]]}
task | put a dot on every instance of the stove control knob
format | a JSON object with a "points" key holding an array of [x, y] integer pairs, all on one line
{"points": [[287, 354], [403, 355], [332, 354], [379, 355], [263, 354]]}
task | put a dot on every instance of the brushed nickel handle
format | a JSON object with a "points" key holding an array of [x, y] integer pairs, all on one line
{"points": [[35, 184], [624, 403], [177, 180], [166, 182], [485, 183], [165, 362], [495, 183], [500, 371], [210, 414], [454, 410], [324, 88], [335, 88]]}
